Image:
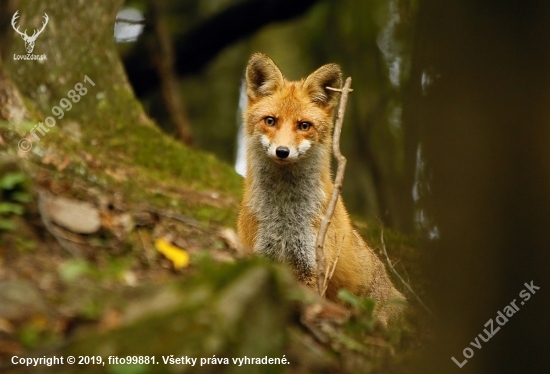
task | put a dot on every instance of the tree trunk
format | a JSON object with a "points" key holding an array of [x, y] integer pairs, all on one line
{"points": [[484, 125]]}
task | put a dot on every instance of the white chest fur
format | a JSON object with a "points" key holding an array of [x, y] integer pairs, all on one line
{"points": [[287, 199]]}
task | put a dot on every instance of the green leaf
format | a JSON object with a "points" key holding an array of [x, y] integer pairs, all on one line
{"points": [[29, 335], [349, 298], [116, 268], [10, 180], [368, 305], [21, 197], [74, 269], [351, 343], [7, 207], [26, 126]]}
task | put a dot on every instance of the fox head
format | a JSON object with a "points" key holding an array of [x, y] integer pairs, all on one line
{"points": [[288, 120]]}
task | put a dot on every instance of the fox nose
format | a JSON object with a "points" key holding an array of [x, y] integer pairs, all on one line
{"points": [[282, 152]]}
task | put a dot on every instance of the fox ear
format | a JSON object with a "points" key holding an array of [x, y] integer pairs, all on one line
{"points": [[263, 77], [316, 85]]}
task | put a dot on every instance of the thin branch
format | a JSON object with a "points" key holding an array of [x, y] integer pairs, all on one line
{"points": [[189, 221], [178, 217], [399, 276], [320, 242], [331, 273], [337, 89]]}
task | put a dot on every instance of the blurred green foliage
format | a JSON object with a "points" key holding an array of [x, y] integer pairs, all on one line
{"points": [[13, 196]]}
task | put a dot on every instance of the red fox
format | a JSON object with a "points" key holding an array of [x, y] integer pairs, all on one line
{"points": [[288, 184]]}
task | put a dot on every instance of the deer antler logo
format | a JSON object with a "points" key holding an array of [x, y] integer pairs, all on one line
{"points": [[29, 40]]}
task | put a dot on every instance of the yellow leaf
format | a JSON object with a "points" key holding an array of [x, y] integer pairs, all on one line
{"points": [[179, 257]]}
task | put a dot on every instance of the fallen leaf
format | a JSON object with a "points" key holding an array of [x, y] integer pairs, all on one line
{"points": [[178, 256]]}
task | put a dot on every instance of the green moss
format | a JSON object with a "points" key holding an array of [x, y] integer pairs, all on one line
{"points": [[118, 147]]}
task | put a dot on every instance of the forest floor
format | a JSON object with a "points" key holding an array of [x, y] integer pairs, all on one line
{"points": [[122, 255]]}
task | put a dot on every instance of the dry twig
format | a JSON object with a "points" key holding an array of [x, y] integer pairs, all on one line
{"points": [[327, 278], [320, 242], [399, 276], [176, 216]]}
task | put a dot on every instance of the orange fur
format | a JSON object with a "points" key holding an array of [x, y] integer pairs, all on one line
{"points": [[288, 184]]}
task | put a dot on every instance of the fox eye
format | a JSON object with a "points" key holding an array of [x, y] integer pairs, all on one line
{"points": [[270, 121], [304, 126]]}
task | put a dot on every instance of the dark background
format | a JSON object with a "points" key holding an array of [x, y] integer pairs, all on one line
{"points": [[447, 135]]}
